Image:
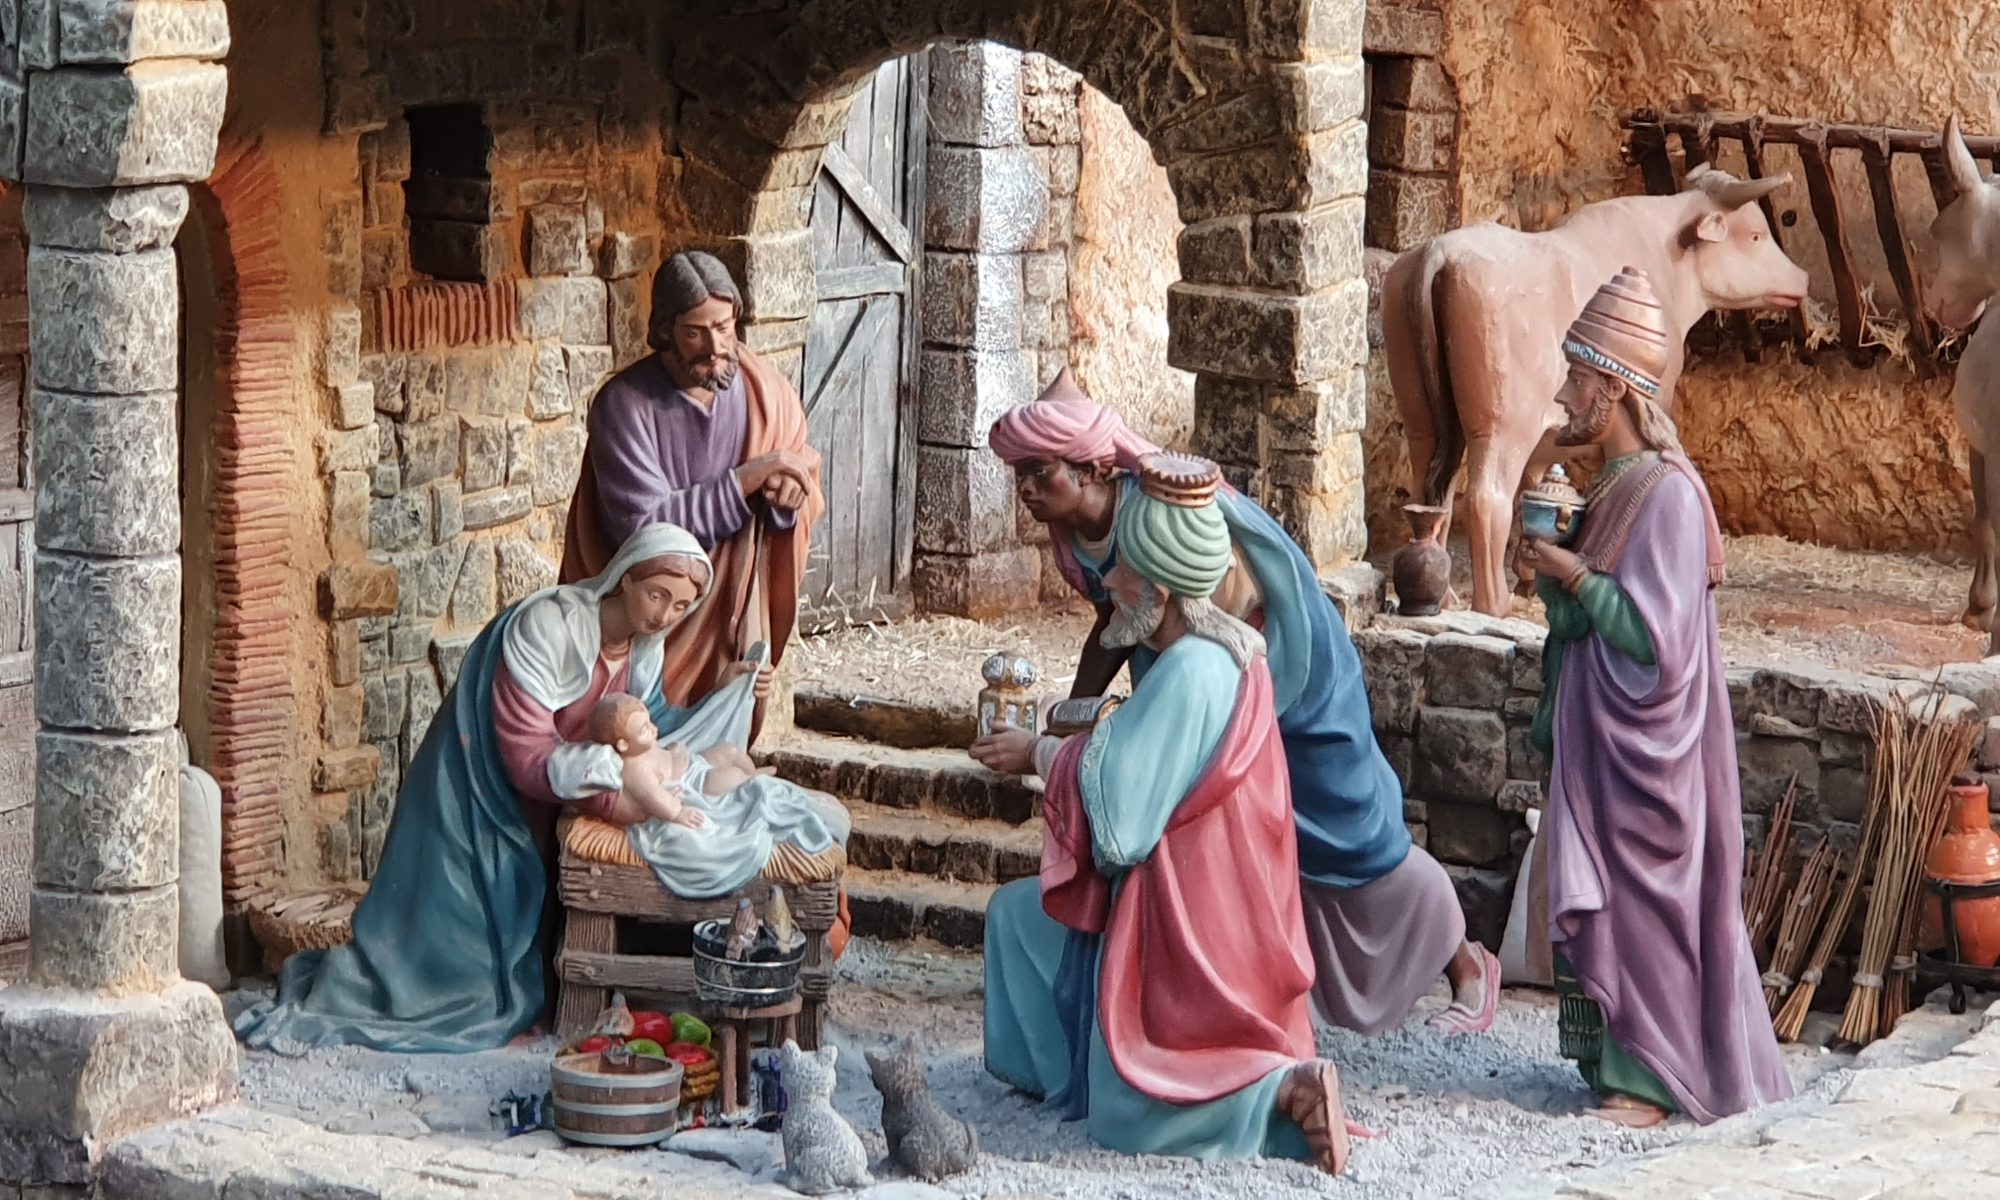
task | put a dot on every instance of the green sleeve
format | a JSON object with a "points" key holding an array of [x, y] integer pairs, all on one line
{"points": [[1615, 619], [1600, 606]]}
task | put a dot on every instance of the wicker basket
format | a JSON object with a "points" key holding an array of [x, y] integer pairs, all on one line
{"points": [[320, 920]]}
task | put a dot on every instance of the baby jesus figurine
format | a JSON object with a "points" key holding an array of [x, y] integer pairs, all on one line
{"points": [[656, 776]]}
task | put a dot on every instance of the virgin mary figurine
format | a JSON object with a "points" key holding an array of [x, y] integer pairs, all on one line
{"points": [[450, 948]]}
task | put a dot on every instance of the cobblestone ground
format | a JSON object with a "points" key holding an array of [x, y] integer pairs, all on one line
{"points": [[1904, 1126], [1926, 1132]]}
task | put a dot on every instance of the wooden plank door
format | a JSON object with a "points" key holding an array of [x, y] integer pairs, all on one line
{"points": [[17, 588], [860, 376]]}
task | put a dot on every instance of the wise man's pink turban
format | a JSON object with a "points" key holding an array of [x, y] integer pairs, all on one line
{"points": [[1065, 425]]}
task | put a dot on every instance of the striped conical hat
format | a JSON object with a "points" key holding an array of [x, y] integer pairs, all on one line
{"points": [[1623, 331]]}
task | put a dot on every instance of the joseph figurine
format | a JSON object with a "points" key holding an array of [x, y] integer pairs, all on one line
{"points": [[705, 435], [1661, 1005]]}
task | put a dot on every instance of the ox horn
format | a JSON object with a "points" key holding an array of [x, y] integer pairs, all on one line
{"points": [[1964, 170], [1731, 193]]}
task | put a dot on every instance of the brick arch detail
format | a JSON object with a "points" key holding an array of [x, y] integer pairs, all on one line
{"points": [[255, 720]]}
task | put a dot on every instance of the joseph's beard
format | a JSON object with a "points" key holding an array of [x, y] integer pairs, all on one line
{"points": [[1130, 626], [715, 372]]}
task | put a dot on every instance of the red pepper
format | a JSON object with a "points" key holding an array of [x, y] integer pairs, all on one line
{"points": [[654, 1026]]}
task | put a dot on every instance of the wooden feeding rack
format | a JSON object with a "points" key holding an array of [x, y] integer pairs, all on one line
{"points": [[1816, 142]]}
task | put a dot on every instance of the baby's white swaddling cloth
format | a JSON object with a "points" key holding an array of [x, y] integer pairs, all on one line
{"points": [[743, 826]]}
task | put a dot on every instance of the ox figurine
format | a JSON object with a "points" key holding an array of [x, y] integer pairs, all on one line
{"points": [[1967, 233], [1473, 319]]}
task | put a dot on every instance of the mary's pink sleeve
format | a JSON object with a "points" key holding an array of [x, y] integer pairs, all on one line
{"points": [[527, 735]]}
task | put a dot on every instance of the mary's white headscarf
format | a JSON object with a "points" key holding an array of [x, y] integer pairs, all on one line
{"points": [[551, 648]]}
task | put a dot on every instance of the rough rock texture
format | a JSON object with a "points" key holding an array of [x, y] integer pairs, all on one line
{"points": [[106, 811], [1120, 267], [110, 469], [108, 221], [114, 321], [105, 632], [89, 1069], [152, 122]]}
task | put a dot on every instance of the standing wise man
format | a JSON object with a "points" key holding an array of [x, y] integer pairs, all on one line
{"points": [[705, 435], [1661, 1004]]}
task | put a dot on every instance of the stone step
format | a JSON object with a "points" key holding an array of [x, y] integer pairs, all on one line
{"points": [[896, 906], [886, 721], [943, 847], [938, 781]]}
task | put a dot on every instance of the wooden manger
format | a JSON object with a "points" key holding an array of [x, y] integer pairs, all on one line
{"points": [[607, 907], [1699, 135]]}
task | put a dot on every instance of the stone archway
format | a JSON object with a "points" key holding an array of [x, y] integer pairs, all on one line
{"points": [[1254, 108]]}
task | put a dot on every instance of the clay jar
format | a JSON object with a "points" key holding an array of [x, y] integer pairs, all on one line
{"points": [[1967, 853], [1422, 568]]}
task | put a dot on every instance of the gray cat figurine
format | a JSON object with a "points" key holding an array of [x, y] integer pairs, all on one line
{"points": [[924, 1139], [822, 1152]]}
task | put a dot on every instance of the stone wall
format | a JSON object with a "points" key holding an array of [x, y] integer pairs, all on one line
{"points": [[1454, 695], [478, 301], [451, 240]]}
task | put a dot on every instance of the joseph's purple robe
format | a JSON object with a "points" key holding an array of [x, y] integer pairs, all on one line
{"points": [[1645, 824], [659, 456]]}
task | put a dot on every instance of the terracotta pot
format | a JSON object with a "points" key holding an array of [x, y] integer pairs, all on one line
{"points": [[1967, 853], [1422, 568]]}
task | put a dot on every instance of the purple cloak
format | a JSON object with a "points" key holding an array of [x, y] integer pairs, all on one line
{"points": [[1645, 823]]}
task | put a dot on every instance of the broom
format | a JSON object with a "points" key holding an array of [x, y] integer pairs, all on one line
{"points": [[1804, 909], [1764, 885], [1923, 753]]}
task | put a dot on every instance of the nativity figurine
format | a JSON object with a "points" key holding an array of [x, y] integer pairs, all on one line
{"points": [[1642, 841]]}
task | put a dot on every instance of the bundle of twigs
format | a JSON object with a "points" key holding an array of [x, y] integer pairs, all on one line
{"points": [[1764, 886], [1803, 912], [1790, 1020], [1916, 756]]}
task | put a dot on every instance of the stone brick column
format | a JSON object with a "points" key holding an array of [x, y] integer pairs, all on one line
{"points": [[1272, 308], [103, 1037], [987, 201]]}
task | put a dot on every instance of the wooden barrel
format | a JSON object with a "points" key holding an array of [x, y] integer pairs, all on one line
{"points": [[596, 1108]]}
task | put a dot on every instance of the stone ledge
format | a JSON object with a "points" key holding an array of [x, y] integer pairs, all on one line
{"points": [[238, 1152], [77, 1070]]}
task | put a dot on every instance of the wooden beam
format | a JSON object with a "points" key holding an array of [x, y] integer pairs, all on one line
{"points": [[1648, 148], [636, 892], [865, 332], [873, 208], [1826, 211], [16, 504], [1698, 142], [1797, 132], [1938, 171], [851, 283], [651, 974], [1889, 227], [1753, 162]]}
